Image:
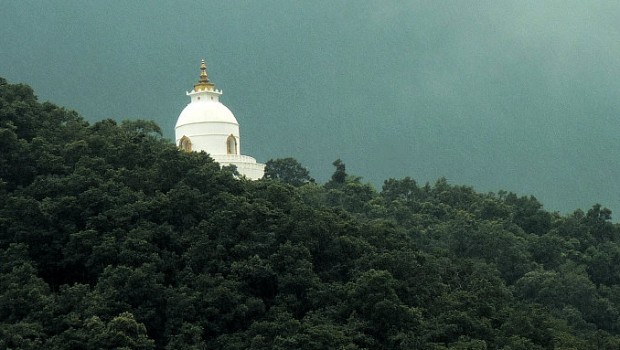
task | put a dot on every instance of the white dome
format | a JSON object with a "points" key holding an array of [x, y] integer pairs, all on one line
{"points": [[206, 112], [208, 125]]}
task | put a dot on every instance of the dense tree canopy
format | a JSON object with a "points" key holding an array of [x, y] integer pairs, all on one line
{"points": [[287, 170], [111, 238]]}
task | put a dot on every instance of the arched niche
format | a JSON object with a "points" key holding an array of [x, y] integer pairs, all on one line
{"points": [[231, 145], [185, 144]]}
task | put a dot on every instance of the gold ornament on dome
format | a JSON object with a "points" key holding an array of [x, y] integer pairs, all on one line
{"points": [[203, 81]]}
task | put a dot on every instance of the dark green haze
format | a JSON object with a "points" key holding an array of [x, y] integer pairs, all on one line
{"points": [[520, 95]]}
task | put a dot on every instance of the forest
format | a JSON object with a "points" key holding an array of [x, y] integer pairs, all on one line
{"points": [[112, 238]]}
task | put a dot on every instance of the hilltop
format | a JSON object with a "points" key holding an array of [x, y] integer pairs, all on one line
{"points": [[110, 237]]}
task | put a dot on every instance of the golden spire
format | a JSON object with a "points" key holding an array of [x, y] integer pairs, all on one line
{"points": [[204, 77], [203, 81]]}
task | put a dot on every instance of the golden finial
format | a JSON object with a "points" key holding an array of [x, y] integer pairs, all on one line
{"points": [[203, 81], [204, 77]]}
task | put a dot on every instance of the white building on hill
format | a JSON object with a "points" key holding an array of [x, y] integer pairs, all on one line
{"points": [[207, 125]]}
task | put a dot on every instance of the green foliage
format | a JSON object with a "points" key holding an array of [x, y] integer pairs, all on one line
{"points": [[287, 170], [340, 175], [110, 238]]}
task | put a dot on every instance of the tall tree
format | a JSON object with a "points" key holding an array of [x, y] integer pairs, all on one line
{"points": [[287, 170], [340, 175]]}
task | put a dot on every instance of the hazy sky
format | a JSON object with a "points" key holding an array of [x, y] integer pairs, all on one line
{"points": [[515, 95]]}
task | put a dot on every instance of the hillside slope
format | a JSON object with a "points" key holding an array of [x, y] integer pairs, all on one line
{"points": [[112, 238]]}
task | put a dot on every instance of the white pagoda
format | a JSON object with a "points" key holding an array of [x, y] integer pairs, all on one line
{"points": [[205, 124]]}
